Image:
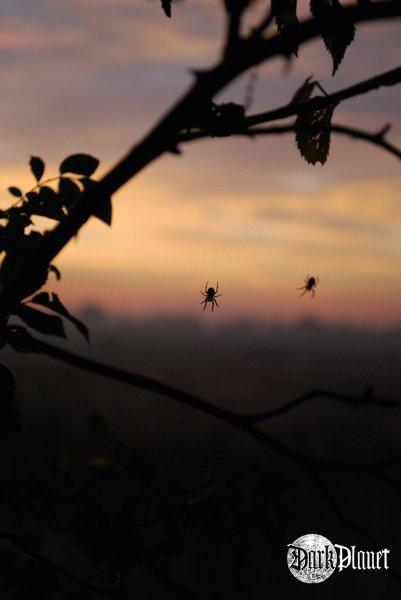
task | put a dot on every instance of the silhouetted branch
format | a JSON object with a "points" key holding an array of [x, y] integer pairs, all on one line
{"points": [[248, 52], [389, 78], [17, 541], [377, 138], [241, 422], [354, 402]]}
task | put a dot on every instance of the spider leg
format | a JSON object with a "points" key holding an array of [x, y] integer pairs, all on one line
{"points": [[203, 294], [215, 301], [217, 295], [205, 304], [303, 293], [301, 288], [206, 286], [217, 288], [313, 292]]}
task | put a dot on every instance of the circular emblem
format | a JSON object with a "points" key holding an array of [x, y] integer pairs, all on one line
{"points": [[312, 558]]}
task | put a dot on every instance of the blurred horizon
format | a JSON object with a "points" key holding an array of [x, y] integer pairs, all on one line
{"points": [[253, 215]]}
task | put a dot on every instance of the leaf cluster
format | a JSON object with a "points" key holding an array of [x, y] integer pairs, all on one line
{"points": [[284, 12], [52, 198]]}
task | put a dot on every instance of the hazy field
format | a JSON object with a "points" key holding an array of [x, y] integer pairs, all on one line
{"points": [[246, 367]]}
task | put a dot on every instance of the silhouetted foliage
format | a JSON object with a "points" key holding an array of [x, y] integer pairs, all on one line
{"points": [[313, 134], [338, 40]]}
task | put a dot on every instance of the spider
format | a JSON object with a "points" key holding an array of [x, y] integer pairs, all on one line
{"points": [[310, 285], [210, 295]]}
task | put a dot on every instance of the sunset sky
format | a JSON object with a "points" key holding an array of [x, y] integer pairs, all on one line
{"points": [[93, 75]]}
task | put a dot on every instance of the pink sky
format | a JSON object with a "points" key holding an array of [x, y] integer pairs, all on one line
{"points": [[92, 76]]}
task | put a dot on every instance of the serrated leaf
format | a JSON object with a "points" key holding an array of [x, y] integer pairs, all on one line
{"points": [[80, 164], [53, 302], [105, 212], [304, 92], [14, 191], [339, 37], [37, 167], [40, 321], [312, 132]]}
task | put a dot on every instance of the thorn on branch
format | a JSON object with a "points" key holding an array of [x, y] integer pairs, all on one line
{"points": [[381, 134]]}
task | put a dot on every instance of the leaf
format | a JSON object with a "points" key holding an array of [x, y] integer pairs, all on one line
{"points": [[336, 38], [47, 204], [313, 134], [42, 322], [53, 302], [102, 206], [13, 261], [104, 212], [69, 192], [37, 167], [304, 92], [80, 164], [14, 191], [55, 270], [285, 12], [166, 6]]}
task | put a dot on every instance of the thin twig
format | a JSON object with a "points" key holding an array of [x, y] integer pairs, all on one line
{"points": [[377, 139], [389, 78], [355, 402]]}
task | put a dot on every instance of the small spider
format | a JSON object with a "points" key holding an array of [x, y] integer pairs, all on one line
{"points": [[310, 285], [210, 296]]}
